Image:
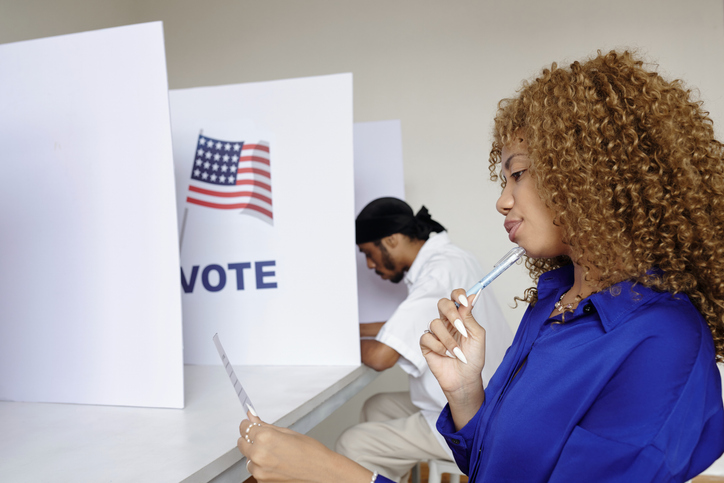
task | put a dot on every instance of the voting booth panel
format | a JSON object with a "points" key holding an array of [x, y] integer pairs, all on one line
{"points": [[90, 310], [265, 199], [378, 172]]}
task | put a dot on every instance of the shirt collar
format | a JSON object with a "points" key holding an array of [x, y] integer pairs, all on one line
{"points": [[612, 304], [432, 245]]}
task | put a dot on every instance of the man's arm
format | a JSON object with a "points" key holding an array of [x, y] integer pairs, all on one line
{"points": [[370, 329], [378, 355]]}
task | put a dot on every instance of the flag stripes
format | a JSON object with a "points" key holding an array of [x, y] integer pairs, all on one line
{"points": [[232, 176]]}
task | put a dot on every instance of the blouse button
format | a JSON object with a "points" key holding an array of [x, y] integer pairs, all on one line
{"points": [[455, 441], [588, 308]]}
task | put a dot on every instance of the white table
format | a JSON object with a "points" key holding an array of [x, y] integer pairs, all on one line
{"points": [[78, 443]]}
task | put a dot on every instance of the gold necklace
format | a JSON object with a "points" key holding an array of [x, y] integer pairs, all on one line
{"points": [[560, 307]]}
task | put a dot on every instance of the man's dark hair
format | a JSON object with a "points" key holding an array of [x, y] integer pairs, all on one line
{"points": [[387, 216]]}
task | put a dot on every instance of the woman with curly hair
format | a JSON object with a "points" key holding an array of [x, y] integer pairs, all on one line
{"points": [[613, 183]]}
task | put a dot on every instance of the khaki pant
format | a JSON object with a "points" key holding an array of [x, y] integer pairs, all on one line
{"points": [[392, 437]]}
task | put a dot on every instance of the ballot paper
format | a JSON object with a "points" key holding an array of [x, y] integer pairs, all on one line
{"points": [[240, 392]]}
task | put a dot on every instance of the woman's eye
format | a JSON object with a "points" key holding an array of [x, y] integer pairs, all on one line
{"points": [[516, 176]]}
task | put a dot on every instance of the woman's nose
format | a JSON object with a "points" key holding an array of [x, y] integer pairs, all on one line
{"points": [[505, 201]]}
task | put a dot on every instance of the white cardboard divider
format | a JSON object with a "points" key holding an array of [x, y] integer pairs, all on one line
{"points": [[378, 172], [267, 255], [90, 310]]}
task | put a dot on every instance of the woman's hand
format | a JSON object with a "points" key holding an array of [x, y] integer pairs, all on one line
{"points": [[460, 376], [281, 455]]}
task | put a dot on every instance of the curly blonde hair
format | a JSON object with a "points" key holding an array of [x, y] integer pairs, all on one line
{"points": [[628, 163]]}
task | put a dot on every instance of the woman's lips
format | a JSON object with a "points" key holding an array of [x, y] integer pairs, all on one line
{"points": [[512, 227]]}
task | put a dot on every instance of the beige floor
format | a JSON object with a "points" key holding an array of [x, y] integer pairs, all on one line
{"points": [[463, 479], [423, 477], [445, 478]]}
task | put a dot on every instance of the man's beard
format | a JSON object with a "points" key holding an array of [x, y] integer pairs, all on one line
{"points": [[389, 265]]}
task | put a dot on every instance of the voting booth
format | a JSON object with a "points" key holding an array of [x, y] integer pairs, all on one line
{"points": [[378, 172], [89, 302], [127, 204], [265, 200]]}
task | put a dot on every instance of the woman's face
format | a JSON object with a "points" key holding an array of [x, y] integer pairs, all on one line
{"points": [[528, 221]]}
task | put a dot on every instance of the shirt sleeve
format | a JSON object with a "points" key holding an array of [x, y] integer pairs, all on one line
{"points": [[382, 479], [460, 442], [403, 330]]}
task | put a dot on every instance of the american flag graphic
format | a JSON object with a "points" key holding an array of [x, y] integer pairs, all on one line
{"points": [[232, 175]]}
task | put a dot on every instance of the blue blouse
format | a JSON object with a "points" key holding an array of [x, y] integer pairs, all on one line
{"points": [[626, 389]]}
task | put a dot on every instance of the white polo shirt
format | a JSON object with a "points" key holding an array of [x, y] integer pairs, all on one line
{"points": [[439, 268]]}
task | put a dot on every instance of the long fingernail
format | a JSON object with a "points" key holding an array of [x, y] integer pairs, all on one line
{"points": [[460, 355], [460, 327], [476, 297], [447, 353], [251, 410], [463, 299]]}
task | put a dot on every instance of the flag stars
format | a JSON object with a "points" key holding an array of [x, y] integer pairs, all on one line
{"points": [[216, 161]]}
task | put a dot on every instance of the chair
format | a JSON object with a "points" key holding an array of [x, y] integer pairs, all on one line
{"points": [[438, 467]]}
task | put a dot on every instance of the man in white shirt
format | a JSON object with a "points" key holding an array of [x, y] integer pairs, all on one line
{"points": [[398, 429]]}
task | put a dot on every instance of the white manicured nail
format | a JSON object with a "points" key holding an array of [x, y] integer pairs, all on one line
{"points": [[463, 299], [460, 355], [460, 327], [447, 353], [251, 410], [476, 297]]}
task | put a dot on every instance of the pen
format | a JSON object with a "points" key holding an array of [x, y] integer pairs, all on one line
{"points": [[503, 264]]}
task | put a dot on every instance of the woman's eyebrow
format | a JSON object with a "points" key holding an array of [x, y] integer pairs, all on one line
{"points": [[506, 165]]}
